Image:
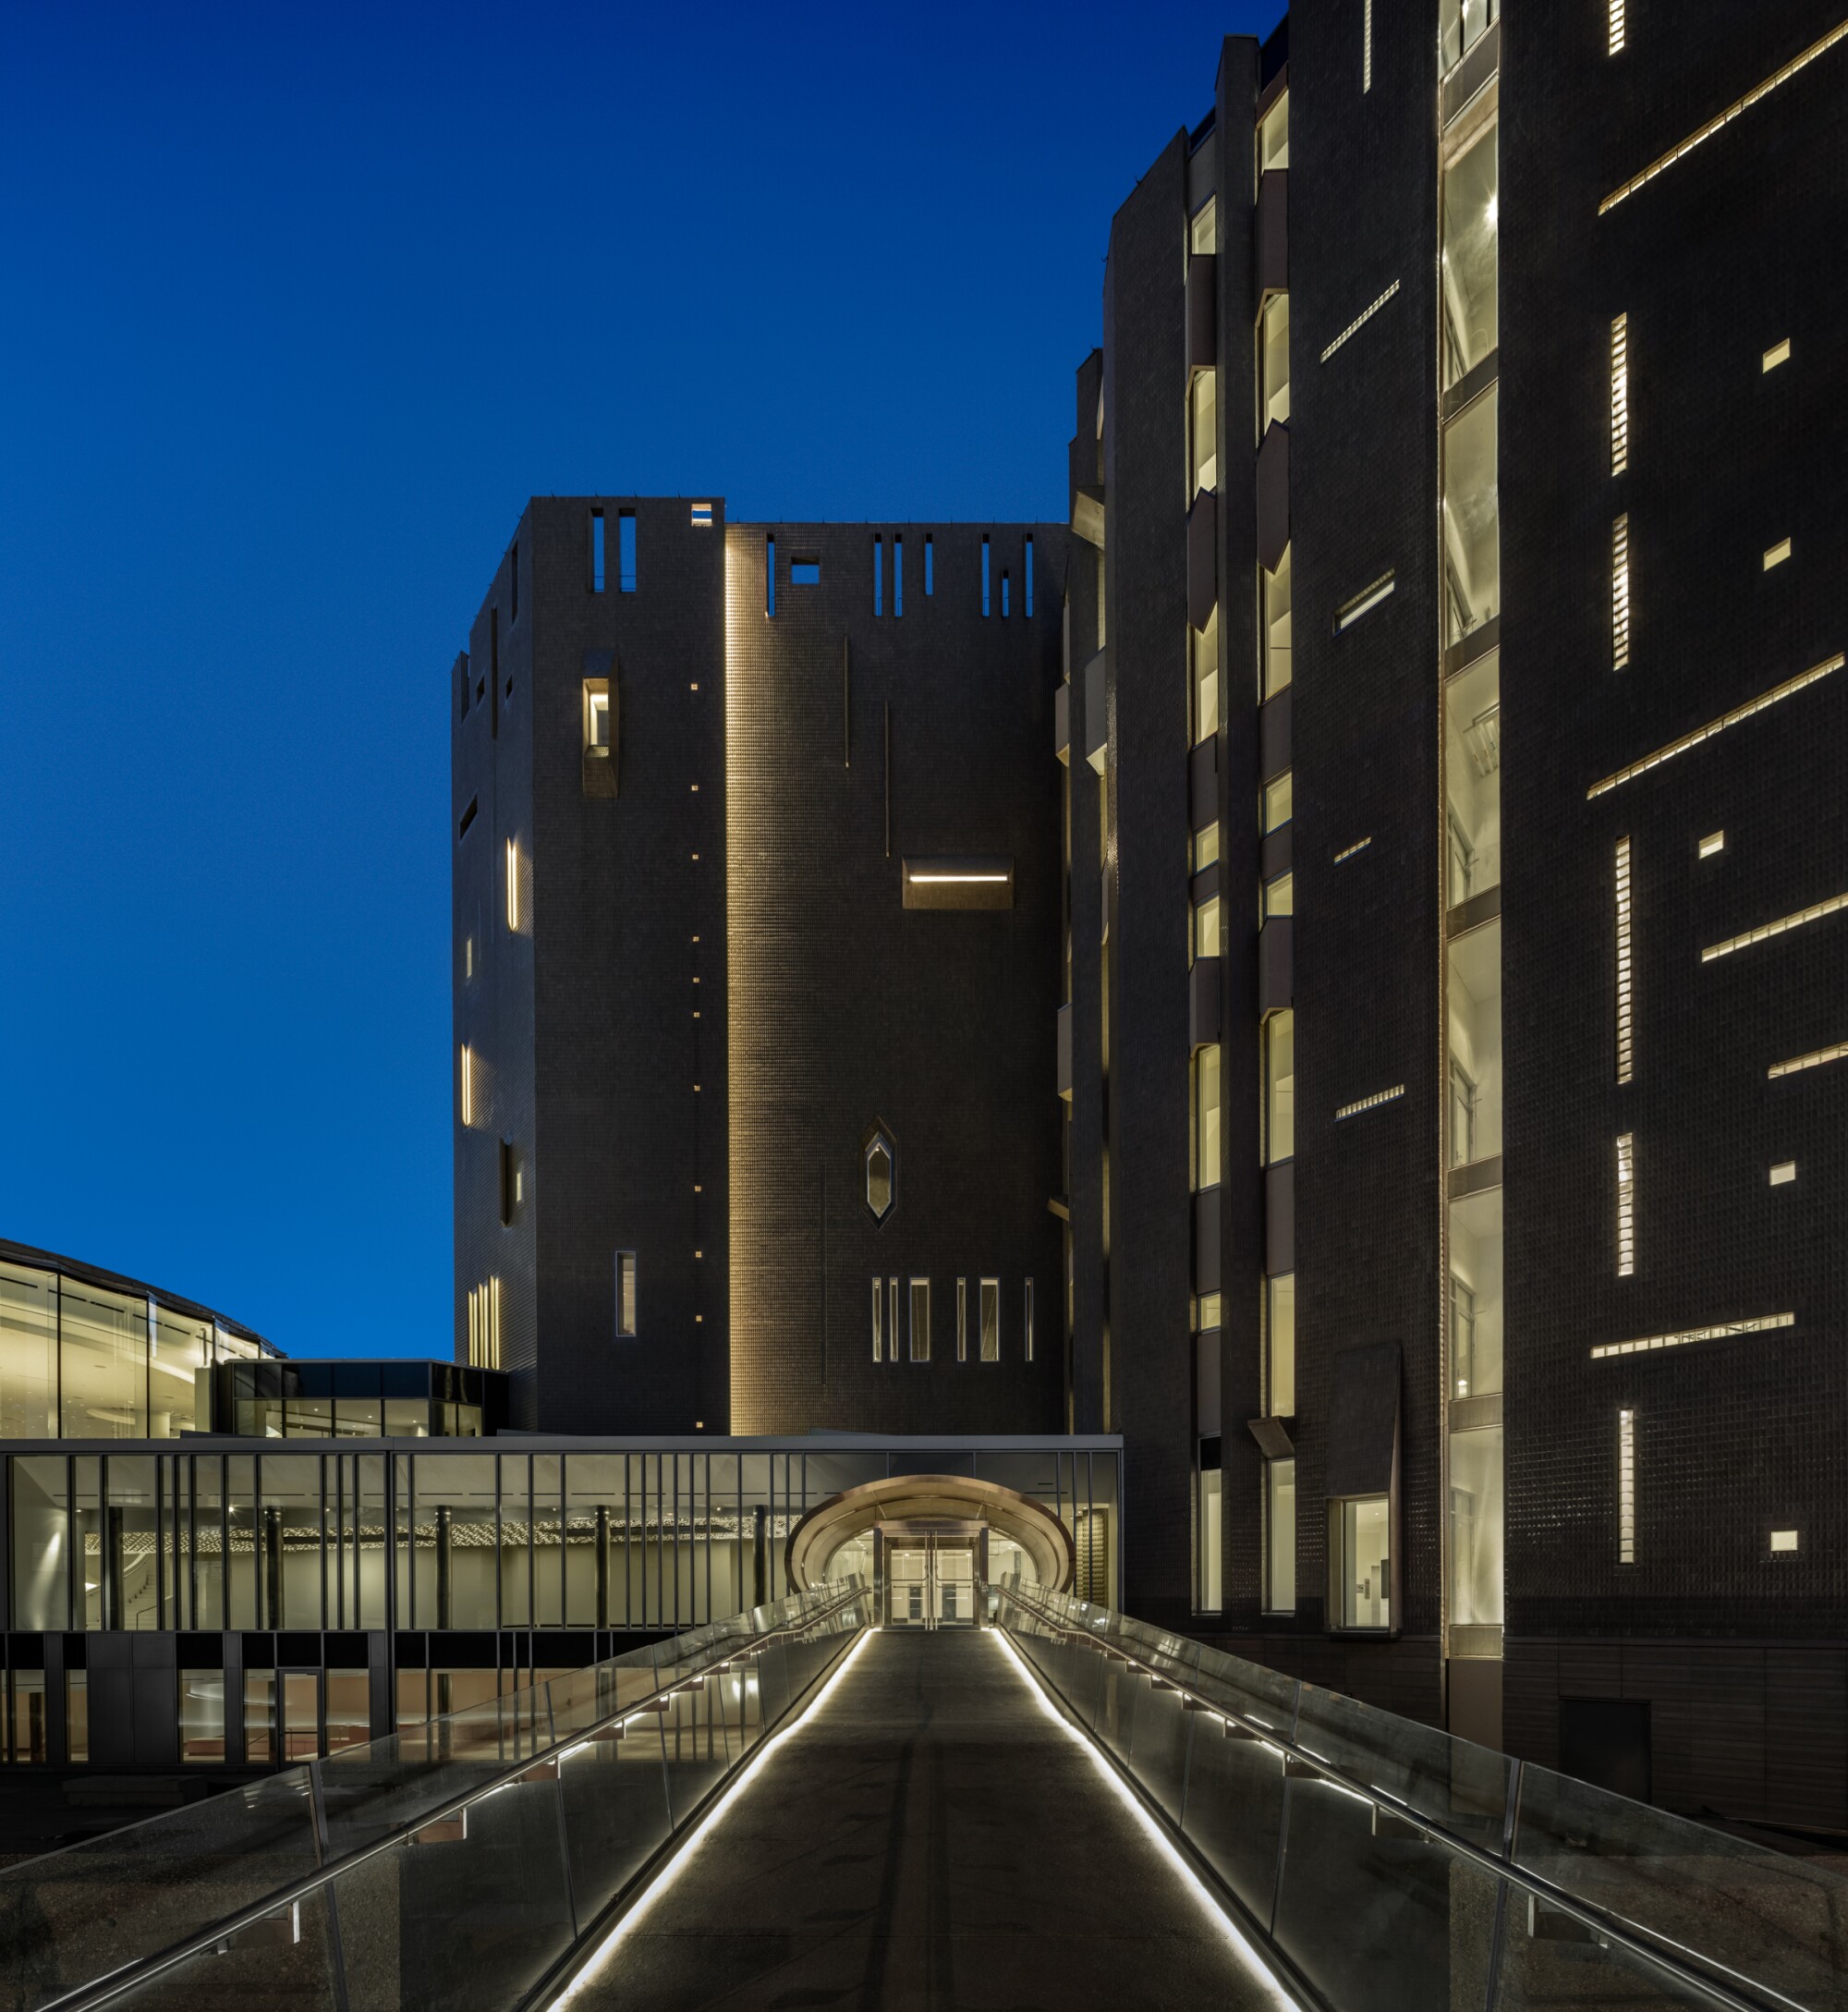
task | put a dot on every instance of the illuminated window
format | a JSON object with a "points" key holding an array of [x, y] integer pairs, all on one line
{"points": [[1274, 357], [1280, 1345], [1814, 913], [1783, 1173], [990, 1320], [1620, 593], [1762, 1324], [1620, 394], [1626, 1205], [1204, 644], [1783, 1540], [702, 515], [468, 1084], [1777, 353], [1279, 1086], [1203, 227], [879, 1168], [1026, 1319], [1363, 1561], [513, 884], [1626, 1488], [1776, 554], [1205, 928], [1616, 26], [891, 1319], [597, 721], [962, 1319], [1470, 267], [1280, 1536], [484, 1326], [1626, 1053], [1392, 1095], [1205, 847], [1366, 45], [1206, 1117], [1280, 896], [1789, 688], [1714, 842], [1278, 799], [878, 1318], [1367, 599], [1273, 137], [1835, 1052], [1277, 591], [626, 549], [1203, 403], [1208, 1540], [596, 551], [920, 1320], [625, 1295]]}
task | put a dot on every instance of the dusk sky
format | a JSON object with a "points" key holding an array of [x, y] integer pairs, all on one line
{"points": [[301, 306]]}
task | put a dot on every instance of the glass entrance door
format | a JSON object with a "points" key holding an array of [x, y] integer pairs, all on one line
{"points": [[930, 1581]]}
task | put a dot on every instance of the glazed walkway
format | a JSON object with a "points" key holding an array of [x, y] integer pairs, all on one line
{"points": [[927, 1839]]}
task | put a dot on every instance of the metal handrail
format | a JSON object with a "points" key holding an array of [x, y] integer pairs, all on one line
{"points": [[140, 1970], [1736, 1993]]}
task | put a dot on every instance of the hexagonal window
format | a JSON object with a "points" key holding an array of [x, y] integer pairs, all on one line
{"points": [[878, 1175]]}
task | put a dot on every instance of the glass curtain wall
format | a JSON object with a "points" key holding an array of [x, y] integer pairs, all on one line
{"points": [[1470, 322]]}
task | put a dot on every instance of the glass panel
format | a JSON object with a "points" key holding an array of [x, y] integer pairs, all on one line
{"points": [[1278, 797], [41, 1542], [241, 1518], [1277, 633], [1205, 928], [1474, 999], [1207, 1117], [1363, 1564], [291, 1555], [1204, 405], [1280, 1336], [1279, 1086], [1472, 525], [104, 1346], [1204, 643], [1280, 896], [920, 1320], [88, 1535], [299, 1691], [1470, 257], [260, 1743], [202, 1717], [454, 1563], [1205, 847], [349, 1709], [1203, 230], [1280, 1536], [1476, 1527], [1473, 776], [1475, 1295], [548, 1540], [27, 1355], [1208, 1540], [407, 1418], [179, 1367], [1274, 346], [990, 1320], [879, 1176], [1273, 137], [77, 1715], [1461, 23], [131, 1560]]}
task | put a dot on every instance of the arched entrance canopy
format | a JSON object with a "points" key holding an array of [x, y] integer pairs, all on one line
{"points": [[912, 1498]]}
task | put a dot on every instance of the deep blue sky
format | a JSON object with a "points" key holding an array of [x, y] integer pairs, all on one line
{"points": [[300, 305]]}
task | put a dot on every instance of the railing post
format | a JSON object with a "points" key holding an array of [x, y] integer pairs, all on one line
{"points": [[1498, 1928], [1283, 1817], [558, 1803], [660, 1719], [336, 1955]]}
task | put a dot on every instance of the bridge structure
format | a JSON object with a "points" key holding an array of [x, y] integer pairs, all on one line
{"points": [[1026, 1800]]}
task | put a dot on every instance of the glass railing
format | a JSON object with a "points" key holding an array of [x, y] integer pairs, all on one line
{"points": [[459, 1864], [1385, 1864]]}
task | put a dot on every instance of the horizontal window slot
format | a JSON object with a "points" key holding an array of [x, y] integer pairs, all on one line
{"points": [[1725, 1331], [1789, 688], [951, 882]]}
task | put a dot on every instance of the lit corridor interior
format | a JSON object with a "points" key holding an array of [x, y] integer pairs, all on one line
{"points": [[929, 1837]]}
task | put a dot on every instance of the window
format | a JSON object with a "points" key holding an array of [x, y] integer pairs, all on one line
{"points": [[625, 1294], [1363, 1565], [467, 1083], [1783, 1173], [1027, 1318], [1273, 337], [1776, 554], [468, 819], [879, 575], [484, 1326], [1280, 896], [1366, 45], [1777, 353], [769, 575], [468, 958], [920, 1320], [701, 515], [1207, 1117], [1461, 25], [1714, 842], [1025, 578], [596, 551], [1475, 1295], [1620, 394], [1280, 1345], [1209, 1539], [805, 572], [1470, 269], [891, 1319], [1004, 607], [990, 1320], [1277, 797], [879, 1169], [1203, 227], [1276, 626], [1620, 593], [597, 722], [929, 565], [512, 1183], [1273, 137], [1203, 405], [1626, 1053], [1472, 525], [962, 1319], [1365, 601], [1474, 1002], [1477, 1525], [1626, 1205], [984, 558], [1280, 1536], [1204, 644], [1204, 847], [1784, 1541], [1626, 1488], [878, 1318], [897, 575], [1616, 27], [625, 550], [1473, 778], [1205, 927], [1279, 1086]]}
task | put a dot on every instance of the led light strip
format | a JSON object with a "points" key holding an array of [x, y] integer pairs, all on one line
{"points": [[1787, 689], [1814, 913], [677, 1864], [1185, 1873], [1365, 315], [1367, 1104], [1724, 118], [1838, 1052], [1724, 1332]]}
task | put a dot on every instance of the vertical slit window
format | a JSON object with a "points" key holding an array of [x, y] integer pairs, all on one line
{"points": [[1616, 26], [878, 1318], [1026, 1316], [1366, 44], [962, 1319], [897, 575], [625, 1294], [990, 1320], [1005, 608], [1626, 1205], [891, 1319], [769, 575], [1620, 394], [879, 575], [984, 574], [513, 886], [929, 565], [596, 551], [1026, 580], [1626, 1487], [920, 1320], [1626, 1058], [625, 550], [468, 1084], [1620, 593]]}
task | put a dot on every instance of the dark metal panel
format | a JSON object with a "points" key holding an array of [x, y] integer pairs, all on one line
{"points": [[1270, 240], [1206, 1240], [1363, 1442], [1280, 1219], [1202, 311], [1274, 735], [1276, 966], [1203, 1013]]}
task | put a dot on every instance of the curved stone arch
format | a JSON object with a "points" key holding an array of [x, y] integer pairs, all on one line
{"points": [[930, 1497]]}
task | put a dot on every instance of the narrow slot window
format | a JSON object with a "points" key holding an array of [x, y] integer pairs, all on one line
{"points": [[929, 566], [1616, 27], [1784, 1541], [1004, 608], [701, 515], [769, 575], [1280, 1345], [1783, 1173], [1280, 1536], [962, 1319], [1026, 580], [1777, 353], [596, 551], [1714, 842], [1626, 1057], [1620, 394], [511, 1183], [1278, 799], [891, 1319], [990, 1320], [1366, 43], [1027, 1317], [625, 550], [513, 886], [1626, 1487], [1626, 1205], [984, 575], [625, 1295], [920, 1320], [1620, 593], [897, 576], [468, 1084], [878, 1318], [468, 819], [1776, 554], [805, 572], [879, 575]]}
